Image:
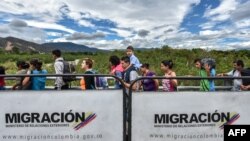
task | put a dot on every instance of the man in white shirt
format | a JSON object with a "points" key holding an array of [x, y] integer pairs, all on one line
{"points": [[58, 65], [236, 72]]}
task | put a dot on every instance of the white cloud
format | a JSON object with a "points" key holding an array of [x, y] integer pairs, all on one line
{"points": [[210, 33], [142, 23], [242, 23], [122, 44], [207, 25], [103, 44], [222, 17], [44, 10], [136, 14], [232, 10], [85, 23], [74, 15], [78, 17], [18, 23], [19, 29], [44, 25], [223, 11], [85, 36], [245, 44], [208, 39], [4, 29], [61, 39], [242, 12], [130, 16], [239, 45], [26, 33], [143, 33], [55, 34], [122, 32]]}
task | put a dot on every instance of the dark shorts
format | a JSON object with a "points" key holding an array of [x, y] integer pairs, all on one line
{"points": [[64, 87]]}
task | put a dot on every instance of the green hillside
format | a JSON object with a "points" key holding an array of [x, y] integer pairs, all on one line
{"points": [[182, 58]]}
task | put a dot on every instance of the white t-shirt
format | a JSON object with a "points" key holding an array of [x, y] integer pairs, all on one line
{"points": [[236, 82], [132, 76]]}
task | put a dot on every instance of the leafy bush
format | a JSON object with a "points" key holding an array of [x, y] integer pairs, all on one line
{"points": [[182, 58]]}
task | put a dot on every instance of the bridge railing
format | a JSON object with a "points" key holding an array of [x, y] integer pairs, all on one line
{"points": [[226, 86]]}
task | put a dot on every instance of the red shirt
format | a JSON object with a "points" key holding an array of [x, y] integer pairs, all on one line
{"points": [[2, 83]]}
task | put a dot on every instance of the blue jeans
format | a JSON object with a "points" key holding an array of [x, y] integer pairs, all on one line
{"points": [[2, 88]]}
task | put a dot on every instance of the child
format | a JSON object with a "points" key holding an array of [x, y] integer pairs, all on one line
{"points": [[133, 59]]}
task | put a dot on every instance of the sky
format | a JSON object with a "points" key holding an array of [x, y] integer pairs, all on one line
{"points": [[115, 24]]}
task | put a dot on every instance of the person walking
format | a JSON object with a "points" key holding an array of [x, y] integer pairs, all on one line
{"points": [[59, 67]]}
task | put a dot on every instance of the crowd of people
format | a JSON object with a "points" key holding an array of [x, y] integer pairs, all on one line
{"points": [[29, 83], [127, 68]]}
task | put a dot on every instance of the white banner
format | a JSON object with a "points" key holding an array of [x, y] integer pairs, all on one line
{"points": [[187, 116], [61, 116]]}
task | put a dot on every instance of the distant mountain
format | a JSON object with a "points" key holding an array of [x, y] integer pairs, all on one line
{"points": [[11, 44], [2, 42]]}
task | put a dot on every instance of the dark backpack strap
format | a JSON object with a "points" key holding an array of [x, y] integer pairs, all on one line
{"points": [[63, 61], [234, 71]]}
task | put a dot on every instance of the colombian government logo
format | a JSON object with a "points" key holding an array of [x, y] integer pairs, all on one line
{"points": [[85, 122], [232, 119]]}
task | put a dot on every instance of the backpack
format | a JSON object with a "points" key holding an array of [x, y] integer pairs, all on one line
{"points": [[100, 82], [245, 72], [68, 68], [210, 61]]}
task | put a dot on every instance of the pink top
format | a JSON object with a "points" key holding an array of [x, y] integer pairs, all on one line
{"points": [[117, 68], [166, 83]]}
